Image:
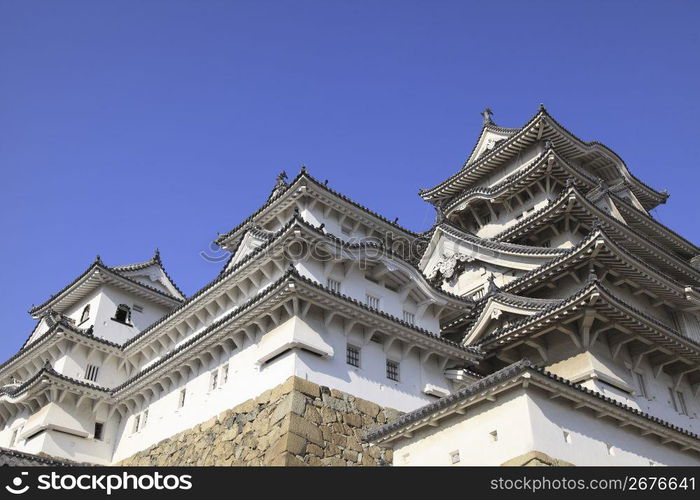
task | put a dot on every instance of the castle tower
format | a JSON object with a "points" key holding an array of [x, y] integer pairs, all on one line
{"points": [[552, 237]]}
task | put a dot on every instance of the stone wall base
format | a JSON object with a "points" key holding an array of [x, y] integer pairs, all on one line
{"points": [[296, 423], [536, 459]]}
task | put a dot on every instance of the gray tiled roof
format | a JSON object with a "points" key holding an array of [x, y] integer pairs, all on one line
{"points": [[508, 373], [14, 458]]}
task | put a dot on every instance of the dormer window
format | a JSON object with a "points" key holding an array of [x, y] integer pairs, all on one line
{"points": [[123, 314], [86, 314]]}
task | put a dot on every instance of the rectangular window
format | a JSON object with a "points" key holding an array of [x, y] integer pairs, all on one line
{"points": [[392, 370], [137, 424], [214, 378], [137, 308], [181, 398], [91, 373], [224, 375], [642, 385], [681, 403], [333, 285], [372, 301], [409, 318], [673, 399], [353, 355], [97, 434]]}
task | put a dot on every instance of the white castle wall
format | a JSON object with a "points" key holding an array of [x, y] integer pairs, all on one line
{"points": [[532, 421]]}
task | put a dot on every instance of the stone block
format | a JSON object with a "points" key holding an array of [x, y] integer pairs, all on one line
{"points": [[328, 415], [367, 407], [306, 387], [312, 415], [297, 425], [294, 402], [350, 455], [314, 449], [334, 462], [286, 460], [335, 403], [352, 419]]}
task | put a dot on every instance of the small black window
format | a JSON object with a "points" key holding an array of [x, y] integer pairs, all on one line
{"points": [[392, 370], [86, 314], [99, 426], [353, 356], [123, 314], [91, 372]]}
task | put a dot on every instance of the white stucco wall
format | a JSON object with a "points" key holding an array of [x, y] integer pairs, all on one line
{"points": [[532, 421]]}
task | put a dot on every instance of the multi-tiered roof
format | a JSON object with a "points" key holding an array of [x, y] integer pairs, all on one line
{"points": [[605, 267]]}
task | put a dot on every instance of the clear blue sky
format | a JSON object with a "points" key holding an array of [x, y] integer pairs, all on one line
{"points": [[131, 125]]}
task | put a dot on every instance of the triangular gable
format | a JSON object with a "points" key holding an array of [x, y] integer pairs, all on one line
{"points": [[487, 141], [253, 239], [492, 315], [153, 276]]}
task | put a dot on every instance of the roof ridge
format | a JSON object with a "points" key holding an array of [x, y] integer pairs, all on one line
{"points": [[303, 173], [531, 165], [602, 216], [510, 372], [500, 245]]}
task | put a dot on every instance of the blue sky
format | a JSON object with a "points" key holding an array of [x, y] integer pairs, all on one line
{"points": [[126, 126]]}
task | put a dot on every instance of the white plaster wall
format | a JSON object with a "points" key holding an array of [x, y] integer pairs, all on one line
{"points": [[113, 331], [564, 362], [470, 435], [64, 445], [71, 447], [369, 381], [591, 436], [245, 381], [533, 421], [74, 364], [357, 286]]}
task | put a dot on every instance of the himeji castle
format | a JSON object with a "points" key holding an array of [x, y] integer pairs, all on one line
{"points": [[546, 318]]}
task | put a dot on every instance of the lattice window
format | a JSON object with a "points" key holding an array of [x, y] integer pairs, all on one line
{"points": [[392, 370], [333, 285], [372, 301], [91, 373], [352, 356]]}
